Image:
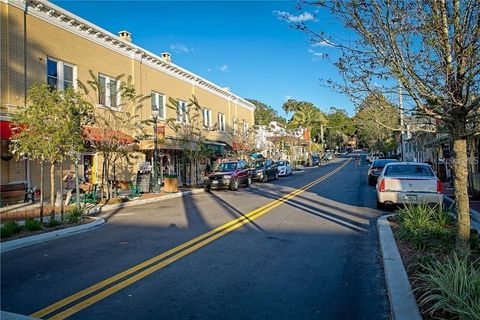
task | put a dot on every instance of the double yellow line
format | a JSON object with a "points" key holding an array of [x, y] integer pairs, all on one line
{"points": [[108, 287]]}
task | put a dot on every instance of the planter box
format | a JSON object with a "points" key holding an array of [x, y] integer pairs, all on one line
{"points": [[170, 184]]}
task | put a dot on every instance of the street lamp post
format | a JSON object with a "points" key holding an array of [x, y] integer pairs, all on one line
{"points": [[156, 186]]}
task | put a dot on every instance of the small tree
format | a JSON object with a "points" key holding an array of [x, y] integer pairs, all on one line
{"points": [[116, 126], [243, 140], [49, 129], [190, 133]]}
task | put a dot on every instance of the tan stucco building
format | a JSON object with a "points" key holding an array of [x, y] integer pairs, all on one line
{"points": [[43, 43]]}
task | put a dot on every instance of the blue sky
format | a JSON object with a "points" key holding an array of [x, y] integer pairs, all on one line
{"points": [[243, 45]]}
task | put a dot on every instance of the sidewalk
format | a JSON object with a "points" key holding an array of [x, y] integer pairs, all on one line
{"points": [[474, 204]]}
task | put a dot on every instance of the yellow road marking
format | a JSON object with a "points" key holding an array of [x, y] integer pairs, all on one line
{"points": [[189, 246]]}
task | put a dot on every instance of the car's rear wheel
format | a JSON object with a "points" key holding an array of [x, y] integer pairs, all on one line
{"points": [[234, 185], [380, 205]]}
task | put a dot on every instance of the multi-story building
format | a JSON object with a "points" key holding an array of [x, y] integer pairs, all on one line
{"points": [[43, 43]]}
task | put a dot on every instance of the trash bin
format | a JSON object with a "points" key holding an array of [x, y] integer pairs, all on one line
{"points": [[170, 183]]}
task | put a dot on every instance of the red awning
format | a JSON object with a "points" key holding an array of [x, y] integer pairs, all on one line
{"points": [[5, 130], [99, 135]]}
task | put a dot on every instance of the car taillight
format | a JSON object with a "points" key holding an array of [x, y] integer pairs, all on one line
{"points": [[439, 187], [381, 186]]}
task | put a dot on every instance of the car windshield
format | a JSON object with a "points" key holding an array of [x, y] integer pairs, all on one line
{"points": [[281, 163], [409, 170], [226, 167], [382, 163], [258, 164]]}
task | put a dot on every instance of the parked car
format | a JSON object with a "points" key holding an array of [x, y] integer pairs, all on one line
{"points": [[263, 170], [328, 156], [374, 156], [284, 168], [228, 174], [408, 183], [376, 168], [315, 160]]}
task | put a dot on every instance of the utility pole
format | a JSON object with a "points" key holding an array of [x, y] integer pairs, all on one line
{"points": [[400, 101], [321, 135]]}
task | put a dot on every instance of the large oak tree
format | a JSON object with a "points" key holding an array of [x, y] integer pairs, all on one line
{"points": [[431, 49]]}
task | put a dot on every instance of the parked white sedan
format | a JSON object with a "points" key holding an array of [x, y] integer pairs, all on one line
{"points": [[284, 168], [408, 183]]}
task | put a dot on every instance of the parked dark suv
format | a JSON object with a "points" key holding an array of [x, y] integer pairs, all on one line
{"points": [[228, 174], [263, 170]]}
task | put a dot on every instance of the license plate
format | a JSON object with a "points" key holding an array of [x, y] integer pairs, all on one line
{"points": [[214, 182], [410, 197]]}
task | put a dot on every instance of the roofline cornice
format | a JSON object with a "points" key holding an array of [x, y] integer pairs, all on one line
{"points": [[70, 22]]}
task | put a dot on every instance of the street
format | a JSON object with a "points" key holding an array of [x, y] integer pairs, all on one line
{"points": [[313, 254]]}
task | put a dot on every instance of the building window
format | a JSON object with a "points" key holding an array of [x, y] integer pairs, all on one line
{"points": [[158, 103], [234, 125], [207, 118], [182, 112], [245, 127], [221, 122], [108, 92], [60, 75]]}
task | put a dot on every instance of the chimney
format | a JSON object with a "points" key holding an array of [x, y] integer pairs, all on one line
{"points": [[167, 56], [125, 35]]}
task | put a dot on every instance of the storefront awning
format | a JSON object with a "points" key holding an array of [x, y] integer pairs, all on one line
{"points": [[219, 148], [100, 135], [149, 145], [5, 130]]}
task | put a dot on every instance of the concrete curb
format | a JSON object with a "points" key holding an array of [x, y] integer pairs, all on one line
{"points": [[473, 213], [48, 236], [403, 305], [144, 201], [13, 316]]}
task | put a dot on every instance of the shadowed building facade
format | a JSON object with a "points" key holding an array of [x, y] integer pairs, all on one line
{"points": [[43, 43]]}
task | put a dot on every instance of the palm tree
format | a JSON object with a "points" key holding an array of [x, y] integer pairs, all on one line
{"points": [[310, 118]]}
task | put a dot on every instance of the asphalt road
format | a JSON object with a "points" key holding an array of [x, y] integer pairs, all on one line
{"points": [[313, 257]]}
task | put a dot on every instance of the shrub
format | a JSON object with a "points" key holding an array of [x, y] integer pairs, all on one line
{"points": [[426, 227], [9, 229], [53, 223], [452, 286], [33, 225], [74, 215]]}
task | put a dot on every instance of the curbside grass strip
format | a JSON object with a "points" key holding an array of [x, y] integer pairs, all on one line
{"points": [[403, 305], [48, 236]]}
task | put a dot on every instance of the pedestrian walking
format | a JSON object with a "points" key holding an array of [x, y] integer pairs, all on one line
{"points": [[357, 160]]}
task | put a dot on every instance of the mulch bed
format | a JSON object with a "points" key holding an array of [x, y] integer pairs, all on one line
{"points": [[25, 233], [410, 257]]}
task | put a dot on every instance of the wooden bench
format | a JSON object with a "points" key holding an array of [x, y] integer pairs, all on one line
{"points": [[13, 192]]}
